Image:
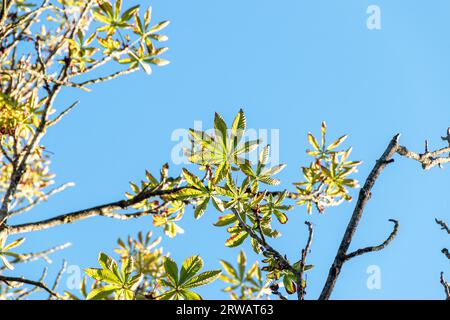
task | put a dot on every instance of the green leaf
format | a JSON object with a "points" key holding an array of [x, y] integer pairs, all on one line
{"points": [[6, 262], [337, 142], [264, 155], [106, 262], [167, 295], [312, 140], [225, 220], [238, 127], [200, 209], [229, 269], [189, 295], [190, 267], [103, 275], [185, 194], [220, 126], [159, 26], [101, 293], [171, 269], [236, 239], [13, 244], [193, 180], [129, 13], [202, 279], [289, 285], [242, 261], [281, 216]]}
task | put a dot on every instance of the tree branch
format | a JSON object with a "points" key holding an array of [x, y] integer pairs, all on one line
{"points": [[446, 286], [446, 253], [375, 248], [363, 199], [443, 225], [39, 284], [301, 291], [29, 257], [266, 246], [58, 278], [40, 199]]}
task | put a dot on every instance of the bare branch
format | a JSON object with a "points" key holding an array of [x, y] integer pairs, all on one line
{"points": [[443, 225], [62, 114], [29, 257], [45, 78], [39, 284], [109, 77], [376, 248], [106, 210], [427, 159], [446, 253], [363, 199], [446, 286], [58, 277], [34, 289], [40, 199], [301, 290]]}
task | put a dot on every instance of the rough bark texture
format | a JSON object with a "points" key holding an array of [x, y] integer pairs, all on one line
{"points": [[364, 197]]}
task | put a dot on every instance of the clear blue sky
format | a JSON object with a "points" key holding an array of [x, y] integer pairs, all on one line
{"points": [[290, 64]]}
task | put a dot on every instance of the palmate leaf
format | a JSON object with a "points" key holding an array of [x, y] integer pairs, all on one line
{"points": [[260, 173], [122, 283], [179, 285], [111, 17], [326, 182], [223, 149], [242, 284]]}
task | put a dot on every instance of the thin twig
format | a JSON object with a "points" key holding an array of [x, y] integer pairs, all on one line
{"points": [[29, 257], [38, 200], [58, 278], [446, 253], [39, 284], [34, 289], [443, 225], [376, 248], [301, 287]]}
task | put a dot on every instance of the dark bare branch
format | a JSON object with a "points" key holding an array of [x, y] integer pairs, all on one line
{"points": [[8, 280], [446, 286], [363, 199], [301, 287], [376, 248], [446, 253], [265, 245], [443, 225]]}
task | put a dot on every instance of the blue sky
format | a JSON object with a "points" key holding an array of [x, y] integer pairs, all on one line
{"points": [[290, 65]]}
